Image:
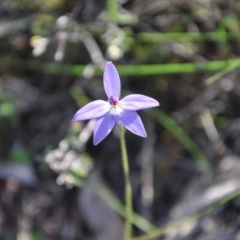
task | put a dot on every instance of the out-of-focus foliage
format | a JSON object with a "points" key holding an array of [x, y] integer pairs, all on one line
{"points": [[7, 107]]}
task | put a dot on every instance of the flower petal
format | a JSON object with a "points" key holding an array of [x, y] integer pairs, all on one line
{"points": [[133, 123], [111, 81], [103, 127], [93, 109], [135, 102]]}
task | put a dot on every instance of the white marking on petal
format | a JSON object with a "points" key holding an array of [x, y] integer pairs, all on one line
{"points": [[116, 110]]}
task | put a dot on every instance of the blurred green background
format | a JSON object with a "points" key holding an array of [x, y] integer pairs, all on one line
{"points": [[54, 184]]}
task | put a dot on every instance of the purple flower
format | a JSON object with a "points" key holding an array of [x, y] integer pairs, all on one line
{"points": [[107, 113]]}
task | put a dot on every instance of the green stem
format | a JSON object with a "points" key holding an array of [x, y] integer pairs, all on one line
{"points": [[113, 9], [128, 188]]}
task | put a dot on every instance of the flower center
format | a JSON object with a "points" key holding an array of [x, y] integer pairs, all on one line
{"points": [[113, 101], [115, 110]]}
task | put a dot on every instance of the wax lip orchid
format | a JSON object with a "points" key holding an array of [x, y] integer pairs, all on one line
{"points": [[115, 111]]}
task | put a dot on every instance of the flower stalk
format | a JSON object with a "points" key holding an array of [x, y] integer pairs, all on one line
{"points": [[128, 188], [120, 112]]}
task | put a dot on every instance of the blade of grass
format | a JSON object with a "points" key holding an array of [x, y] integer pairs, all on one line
{"points": [[223, 72], [116, 205], [187, 220], [169, 124], [131, 70], [220, 36]]}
